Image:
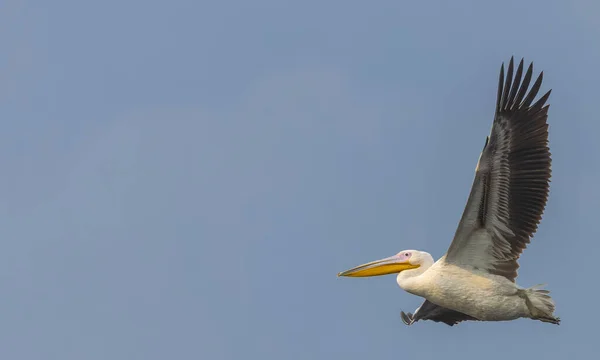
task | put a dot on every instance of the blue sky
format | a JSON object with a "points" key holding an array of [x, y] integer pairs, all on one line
{"points": [[184, 179]]}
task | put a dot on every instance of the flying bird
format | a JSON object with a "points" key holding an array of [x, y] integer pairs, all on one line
{"points": [[475, 279]]}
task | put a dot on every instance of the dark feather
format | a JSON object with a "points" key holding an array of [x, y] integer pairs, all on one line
{"points": [[433, 312], [512, 180]]}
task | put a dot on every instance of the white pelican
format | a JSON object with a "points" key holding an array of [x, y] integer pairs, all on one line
{"points": [[475, 279]]}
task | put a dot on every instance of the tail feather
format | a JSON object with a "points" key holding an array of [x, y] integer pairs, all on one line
{"points": [[540, 304]]}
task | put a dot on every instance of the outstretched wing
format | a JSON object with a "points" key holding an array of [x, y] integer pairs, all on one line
{"points": [[431, 311], [511, 182]]}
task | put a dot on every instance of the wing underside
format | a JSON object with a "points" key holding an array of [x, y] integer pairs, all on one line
{"points": [[511, 184]]}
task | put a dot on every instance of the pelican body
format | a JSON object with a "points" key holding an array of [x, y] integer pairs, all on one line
{"points": [[475, 279]]}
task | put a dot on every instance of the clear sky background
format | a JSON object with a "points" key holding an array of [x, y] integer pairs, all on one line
{"points": [[184, 179]]}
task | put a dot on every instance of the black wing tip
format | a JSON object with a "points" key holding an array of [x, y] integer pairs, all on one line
{"points": [[514, 94], [512, 60], [541, 103], [541, 76]]}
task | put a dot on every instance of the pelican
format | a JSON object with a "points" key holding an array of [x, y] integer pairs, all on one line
{"points": [[475, 279]]}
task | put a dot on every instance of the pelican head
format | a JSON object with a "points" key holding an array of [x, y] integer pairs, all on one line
{"points": [[404, 260]]}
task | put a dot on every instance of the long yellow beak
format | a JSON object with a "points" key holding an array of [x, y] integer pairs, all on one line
{"points": [[390, 265]]}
